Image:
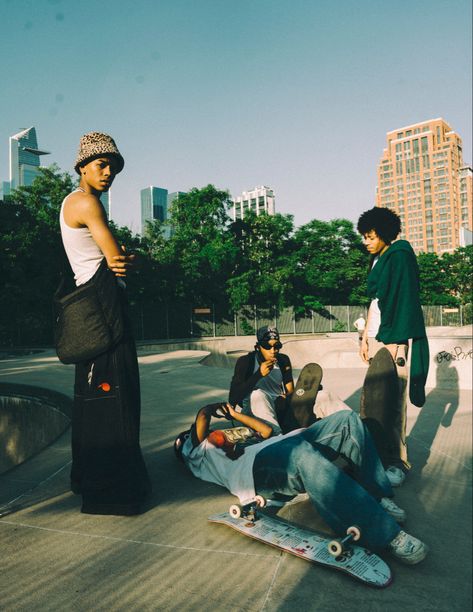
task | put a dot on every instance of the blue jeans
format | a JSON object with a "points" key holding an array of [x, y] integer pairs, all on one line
{"points": [[304, 463]]}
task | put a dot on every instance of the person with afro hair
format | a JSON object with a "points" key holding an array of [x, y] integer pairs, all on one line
{"points": [[394, 317]]}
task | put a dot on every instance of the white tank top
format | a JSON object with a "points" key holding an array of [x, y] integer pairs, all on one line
{"points": [[81, 249]]}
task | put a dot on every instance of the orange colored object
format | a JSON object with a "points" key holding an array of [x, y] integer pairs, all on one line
{"points": [[217, 438], [105, 386]]}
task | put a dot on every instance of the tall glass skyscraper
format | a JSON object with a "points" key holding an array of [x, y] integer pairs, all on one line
{"points": [[154, 205], [24, 158]]}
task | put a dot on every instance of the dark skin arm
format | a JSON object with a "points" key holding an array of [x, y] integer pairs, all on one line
{"points": [[85, 210], [205, 415]]}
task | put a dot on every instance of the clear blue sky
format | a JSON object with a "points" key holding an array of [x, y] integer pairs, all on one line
{"points": [[294, 94]]}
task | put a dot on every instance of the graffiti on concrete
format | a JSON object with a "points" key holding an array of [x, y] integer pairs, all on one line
{"points": [[457, 354]]}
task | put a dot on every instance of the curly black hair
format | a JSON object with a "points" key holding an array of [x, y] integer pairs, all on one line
{"points": [[384, 221]]}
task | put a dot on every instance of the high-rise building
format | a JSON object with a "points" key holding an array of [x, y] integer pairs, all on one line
{"points": [[154, 205], [174, 196], [24, 158], [423, 178], [260, 200], [466, 205]]}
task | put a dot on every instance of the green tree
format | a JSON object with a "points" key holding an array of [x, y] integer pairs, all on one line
{"points": [[330, 265], [262, 272], [31, 257], [458, 266], [201, 251], [433, 277]]}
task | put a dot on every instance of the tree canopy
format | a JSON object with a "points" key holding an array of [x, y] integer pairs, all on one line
{"points": [[263, 261]]}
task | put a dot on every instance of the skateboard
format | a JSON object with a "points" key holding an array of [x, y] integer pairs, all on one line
{"points": [[301, 402], [340, 554], [379, 399]]}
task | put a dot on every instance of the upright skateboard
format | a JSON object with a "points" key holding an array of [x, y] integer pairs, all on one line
{"points": [[300, 407], [379, 399], [340, 554]]}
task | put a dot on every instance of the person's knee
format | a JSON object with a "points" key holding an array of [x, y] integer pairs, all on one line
{"points": [[343, 417], [259, 396]]}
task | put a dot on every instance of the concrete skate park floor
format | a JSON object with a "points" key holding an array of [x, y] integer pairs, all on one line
{"points": [[170, 558]]}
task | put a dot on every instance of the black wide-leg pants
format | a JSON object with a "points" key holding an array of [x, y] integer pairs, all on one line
{"points": [[107, 465]]}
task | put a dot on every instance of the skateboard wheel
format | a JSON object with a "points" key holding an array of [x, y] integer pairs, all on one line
{"points": [[235, 511], [260, 501], [335, 548], [354, 532]]}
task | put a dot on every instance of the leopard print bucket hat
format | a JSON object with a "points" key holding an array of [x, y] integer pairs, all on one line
{"points": [[96, 144]]}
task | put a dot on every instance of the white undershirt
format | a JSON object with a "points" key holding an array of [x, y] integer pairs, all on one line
{"points": [[81, 249], [374, 313]]}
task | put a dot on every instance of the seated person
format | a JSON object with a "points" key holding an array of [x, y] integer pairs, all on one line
{"points": [[262, 384], [303, 461]]}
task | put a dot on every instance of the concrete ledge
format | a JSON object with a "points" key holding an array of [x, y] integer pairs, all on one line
{"points": [[451, 352], [31, 418]]}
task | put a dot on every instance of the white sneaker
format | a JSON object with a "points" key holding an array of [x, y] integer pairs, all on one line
{"points": [[398, 514], [408, 549], [395, 476]]}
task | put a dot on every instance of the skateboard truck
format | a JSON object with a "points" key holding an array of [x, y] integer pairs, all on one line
{"points": [[247, 510], [336, 547]]}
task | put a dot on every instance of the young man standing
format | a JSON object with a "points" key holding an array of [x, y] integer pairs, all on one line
{"points": [[395, 316], [107, 464]]}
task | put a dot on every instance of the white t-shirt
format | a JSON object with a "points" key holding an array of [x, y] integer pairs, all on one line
{"points": [[210, 463], [374, 313]]}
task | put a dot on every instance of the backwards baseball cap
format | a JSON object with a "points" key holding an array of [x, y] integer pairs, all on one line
{"points": [[94, 145], [179, 443], [267, 333]]}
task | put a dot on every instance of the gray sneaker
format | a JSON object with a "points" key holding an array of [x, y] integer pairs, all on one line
{"points": [[393, 509], [408, 549], [395, 476]]}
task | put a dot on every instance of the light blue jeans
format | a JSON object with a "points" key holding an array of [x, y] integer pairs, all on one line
{"points": [[304, 463]]}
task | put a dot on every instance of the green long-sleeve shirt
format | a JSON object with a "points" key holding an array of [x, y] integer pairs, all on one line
{"points": [[394, 280]]}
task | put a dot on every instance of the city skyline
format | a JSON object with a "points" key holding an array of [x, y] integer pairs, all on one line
{"points": [[303, 107]]}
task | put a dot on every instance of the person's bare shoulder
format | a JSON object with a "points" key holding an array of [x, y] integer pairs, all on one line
{"points": [[81, 207]]}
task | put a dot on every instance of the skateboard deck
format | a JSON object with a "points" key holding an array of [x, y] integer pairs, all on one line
{"points": [[379, 398], [301, 403], [355, 560]]}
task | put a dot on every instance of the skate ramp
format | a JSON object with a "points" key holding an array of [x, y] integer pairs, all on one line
{"points": [[30, 419]]}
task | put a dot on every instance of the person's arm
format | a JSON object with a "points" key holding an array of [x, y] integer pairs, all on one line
{"points": [[241, 386], [252, 422], [289, 388], [90, 213], [286, 371], [205, 414], [364, 340]]}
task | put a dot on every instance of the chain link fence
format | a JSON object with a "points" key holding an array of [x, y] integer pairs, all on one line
{"points": [[186, 321], [157, 321]]}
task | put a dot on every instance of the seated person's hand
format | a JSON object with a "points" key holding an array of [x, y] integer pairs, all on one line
{"points": [[266, 367], [220, 411]]}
